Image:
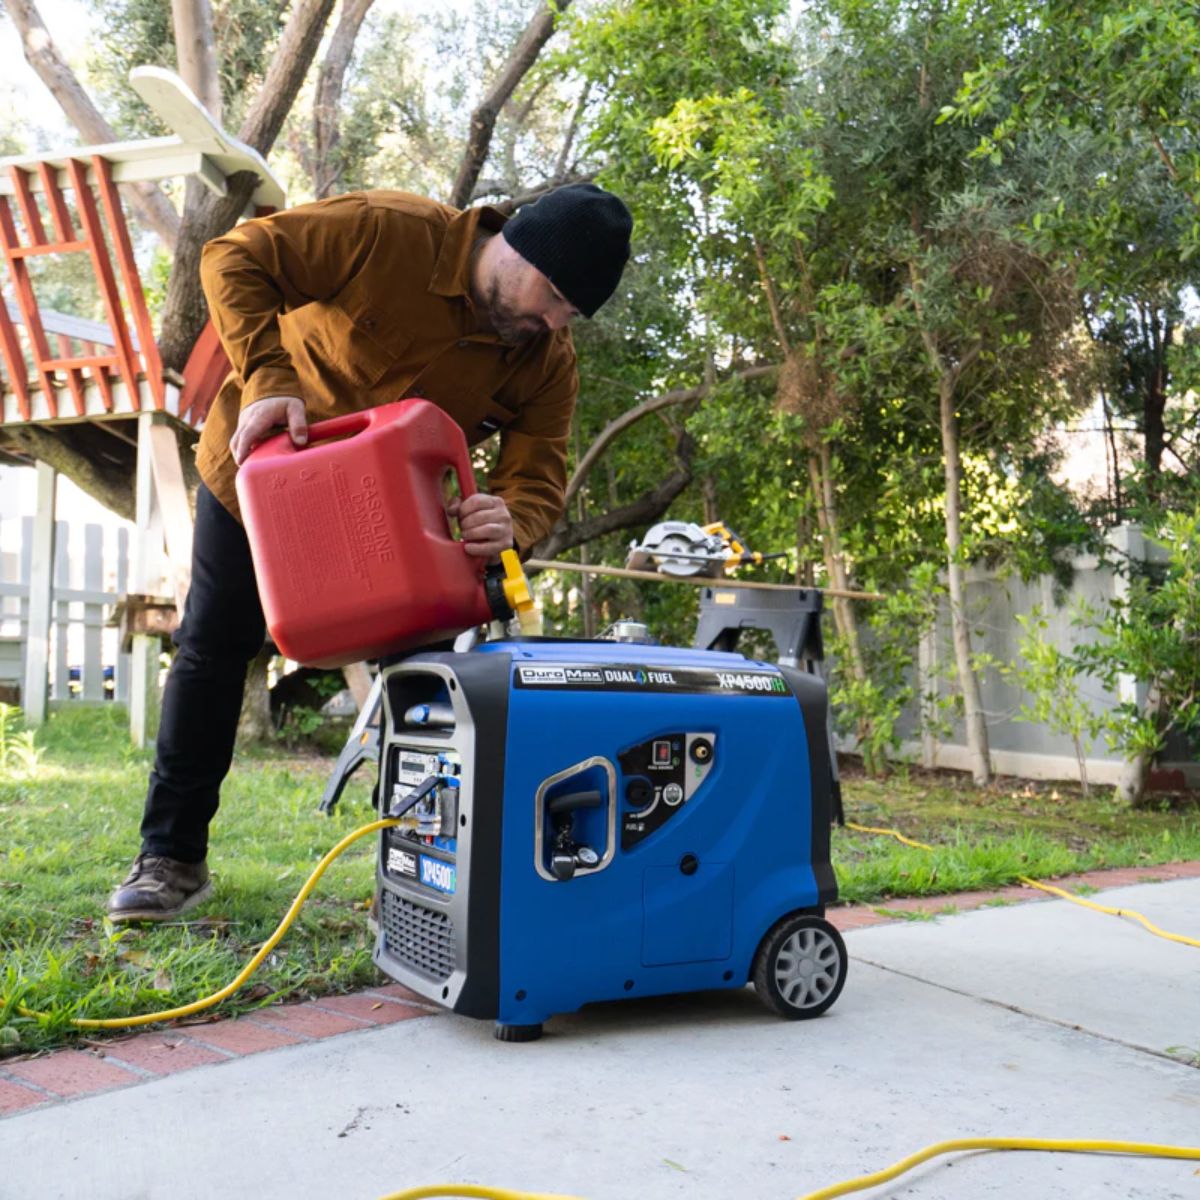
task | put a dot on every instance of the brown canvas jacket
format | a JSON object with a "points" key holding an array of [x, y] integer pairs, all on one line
{"points": [[364, 299]]}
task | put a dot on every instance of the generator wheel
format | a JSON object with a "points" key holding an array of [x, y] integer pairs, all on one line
{"points": [[800, 967]]}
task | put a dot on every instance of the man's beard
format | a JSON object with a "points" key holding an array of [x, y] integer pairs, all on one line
{"points": [[512, 327]]}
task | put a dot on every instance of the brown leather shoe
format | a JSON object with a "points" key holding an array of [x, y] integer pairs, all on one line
{"points": [[158, 888]]}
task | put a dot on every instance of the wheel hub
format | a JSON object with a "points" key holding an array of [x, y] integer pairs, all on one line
{"points": [[806, 968]]}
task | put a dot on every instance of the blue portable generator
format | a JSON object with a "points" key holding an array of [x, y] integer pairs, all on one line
{"points": [[589, 821]]}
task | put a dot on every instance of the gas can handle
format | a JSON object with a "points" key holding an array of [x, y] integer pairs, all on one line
{"points": [[460, 464], [279, 445], [348, 423]]}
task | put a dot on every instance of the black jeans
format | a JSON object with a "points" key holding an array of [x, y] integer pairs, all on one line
{"points": [[221, 631]]}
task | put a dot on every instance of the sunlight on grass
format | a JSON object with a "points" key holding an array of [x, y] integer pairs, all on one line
{"points": [[71, 831]]}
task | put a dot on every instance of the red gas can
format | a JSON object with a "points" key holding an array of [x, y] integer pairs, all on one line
{"points": [[351, 543]]}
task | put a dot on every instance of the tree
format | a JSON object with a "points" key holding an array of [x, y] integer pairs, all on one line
{"points": [[242, 55]]}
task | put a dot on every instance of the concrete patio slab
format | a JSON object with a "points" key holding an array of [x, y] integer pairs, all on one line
{"points": [[708, 1096]]}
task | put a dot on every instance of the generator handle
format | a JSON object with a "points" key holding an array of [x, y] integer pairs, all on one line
{"points": [[574, 800]]}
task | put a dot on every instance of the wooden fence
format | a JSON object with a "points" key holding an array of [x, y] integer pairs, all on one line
{"points": [[91, 570]]}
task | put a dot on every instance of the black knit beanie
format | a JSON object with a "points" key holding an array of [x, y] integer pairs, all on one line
{"points": [[578, 237]]}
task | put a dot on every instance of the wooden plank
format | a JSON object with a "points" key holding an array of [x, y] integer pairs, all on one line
{"points": [[143, 155], [103, 381], [134, 293], [146, 577], [64, 230], [35, 692], [37, 251], [145, 703], [34, 228], [93, 614], [212, 177], [72, 595], [177, 106], [205, 371], [14, 360], [68, 363], [124, 664], [60, 688], [89, 215], [95, 332], [173, 500], [153, 616], [27, 302], [155, 159], [81, 361]]}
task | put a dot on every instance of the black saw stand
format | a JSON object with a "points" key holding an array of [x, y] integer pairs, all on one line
{"points": [[792, 618], [361, 746]]}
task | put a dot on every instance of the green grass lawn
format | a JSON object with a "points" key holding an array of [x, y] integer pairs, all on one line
{"points": [[68, 830]]}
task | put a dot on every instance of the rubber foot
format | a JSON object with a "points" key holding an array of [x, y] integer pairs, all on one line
{"points": [[517, 1033]]}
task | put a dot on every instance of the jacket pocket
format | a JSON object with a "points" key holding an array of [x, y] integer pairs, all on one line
{"points": [[355, 348]]}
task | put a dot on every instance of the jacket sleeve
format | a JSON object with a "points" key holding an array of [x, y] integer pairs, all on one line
{"points": [[264, 267], [531, 471]]}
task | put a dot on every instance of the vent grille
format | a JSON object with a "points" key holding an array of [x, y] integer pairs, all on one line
{"points": [[421, 938]]}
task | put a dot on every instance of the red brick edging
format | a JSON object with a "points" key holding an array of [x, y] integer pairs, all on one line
{"points": [[140, 1057]]}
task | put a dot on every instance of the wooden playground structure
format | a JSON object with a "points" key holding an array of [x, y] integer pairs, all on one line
{"points": [[105, 376]]}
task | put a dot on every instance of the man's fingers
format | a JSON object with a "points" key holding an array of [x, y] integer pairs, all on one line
{"points": [[485, 525], [248, 436], [296, 421], [256, 422], [479, 502]]}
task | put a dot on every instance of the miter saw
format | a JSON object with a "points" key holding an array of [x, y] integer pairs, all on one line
{"points": [[684, 549]]}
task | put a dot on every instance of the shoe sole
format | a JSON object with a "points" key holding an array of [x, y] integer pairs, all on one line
{"points": [[158, 914]]}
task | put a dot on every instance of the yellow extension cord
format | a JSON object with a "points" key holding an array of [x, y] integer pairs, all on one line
{"points": [[1045, 887], [186, 1010], [828, 1193], [1147, 1149]]}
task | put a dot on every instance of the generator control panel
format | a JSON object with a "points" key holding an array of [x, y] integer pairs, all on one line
{"points": [[659, 777], [423, 848]]}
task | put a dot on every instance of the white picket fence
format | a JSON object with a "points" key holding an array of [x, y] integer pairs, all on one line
{"points": [[91, 570]]}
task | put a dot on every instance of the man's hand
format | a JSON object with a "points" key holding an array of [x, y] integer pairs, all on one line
{"points": [[484, 522], [259, 420]]}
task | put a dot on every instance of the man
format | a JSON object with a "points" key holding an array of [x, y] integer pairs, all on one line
{"points": [[335, 307]]}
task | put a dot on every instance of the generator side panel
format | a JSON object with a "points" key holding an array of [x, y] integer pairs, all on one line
{"points": [[693, 792], [438, 874], [813, 697]]}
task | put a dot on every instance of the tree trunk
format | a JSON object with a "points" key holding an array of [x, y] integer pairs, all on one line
{"points": [[196, 52], [978, 753], [643, 511], [1156, 339], [619, 424], [1131, 784], [820, 474], [326, 163], [804, 562], [254, 724], [185, 310], [293, 56], [483, 119]]}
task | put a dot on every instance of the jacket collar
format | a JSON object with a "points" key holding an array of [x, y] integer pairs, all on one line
{"points": [[452, 271]]}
